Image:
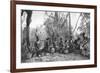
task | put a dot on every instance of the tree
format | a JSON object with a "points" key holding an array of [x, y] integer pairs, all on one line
{"points": [[25, 34], [85, 24], [57, 24], [29, 14]]}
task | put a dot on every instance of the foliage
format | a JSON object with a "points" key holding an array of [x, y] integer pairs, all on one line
{"points": [[57, 25]]}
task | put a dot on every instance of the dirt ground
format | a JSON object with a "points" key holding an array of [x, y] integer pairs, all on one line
{"points": [[57, 57]]}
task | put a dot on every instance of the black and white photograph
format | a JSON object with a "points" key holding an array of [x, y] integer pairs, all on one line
{"points": [[51, 36]]}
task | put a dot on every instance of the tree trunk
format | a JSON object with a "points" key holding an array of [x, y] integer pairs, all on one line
{"points": [[28, 20]]}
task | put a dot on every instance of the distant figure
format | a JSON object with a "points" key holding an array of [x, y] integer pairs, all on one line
{"points": [[77, 45], [56, 46], [52, 49], [60, 45], [67, 47], [84, 40], [46, 46], [85, 45], [36, 48]]}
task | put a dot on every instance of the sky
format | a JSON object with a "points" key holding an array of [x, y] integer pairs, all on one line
{"points": [[38, 19]]}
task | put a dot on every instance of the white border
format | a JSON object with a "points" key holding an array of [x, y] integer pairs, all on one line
{"points": [[20, 65]]}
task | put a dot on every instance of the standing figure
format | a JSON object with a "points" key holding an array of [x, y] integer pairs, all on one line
{"points": [[77, 46], [60, 45], [56, 46], [52, 49], [36, 48], [67, 47]]}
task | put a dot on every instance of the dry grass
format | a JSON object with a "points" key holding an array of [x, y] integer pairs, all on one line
{"points": [[57, 57]]}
